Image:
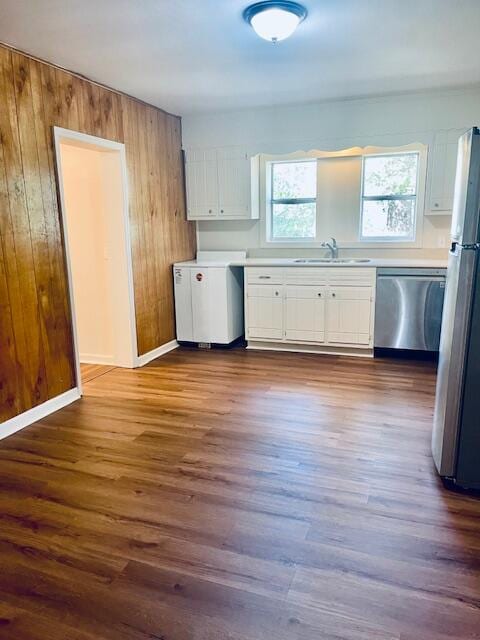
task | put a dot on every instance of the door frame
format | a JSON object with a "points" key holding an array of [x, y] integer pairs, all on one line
{"points": [[60, 134]]}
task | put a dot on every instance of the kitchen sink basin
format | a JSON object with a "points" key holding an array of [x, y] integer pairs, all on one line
{"points": [[331, 260]]}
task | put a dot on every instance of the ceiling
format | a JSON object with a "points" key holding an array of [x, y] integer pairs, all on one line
{"points": [[198, 55]]}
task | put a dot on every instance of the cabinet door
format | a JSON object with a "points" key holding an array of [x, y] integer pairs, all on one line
{"points": [[305, 313], [443, 164], [202, 184], [349, 316], [233, 183], [264, 312]]}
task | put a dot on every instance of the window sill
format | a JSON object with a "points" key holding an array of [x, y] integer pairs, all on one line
{"points": [[314, 244]]}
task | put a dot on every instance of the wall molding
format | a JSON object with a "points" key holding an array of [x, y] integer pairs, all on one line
{"points": [[156, 353], [92, 358], [37, 413], [27, 418], [259, 345]]}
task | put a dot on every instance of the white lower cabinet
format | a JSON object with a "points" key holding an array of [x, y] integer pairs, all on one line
{"points": [[324, 307], [304, 309], [349, 315], [264, 311]]}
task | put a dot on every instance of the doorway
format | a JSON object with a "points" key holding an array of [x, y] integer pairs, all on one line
{"points": [[92, 181]]}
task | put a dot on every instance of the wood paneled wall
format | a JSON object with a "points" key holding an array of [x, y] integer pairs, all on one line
{"points": [[36, 354]]}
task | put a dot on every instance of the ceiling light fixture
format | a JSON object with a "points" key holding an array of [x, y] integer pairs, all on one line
{"points": [[274, 21]]}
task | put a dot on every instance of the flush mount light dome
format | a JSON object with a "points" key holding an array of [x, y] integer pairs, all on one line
{"points": [[274, 21]]}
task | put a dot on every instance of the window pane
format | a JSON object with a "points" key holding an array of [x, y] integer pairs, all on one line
{"points": [[293, 220], [390, 175], [294, 180], [389, 219]]}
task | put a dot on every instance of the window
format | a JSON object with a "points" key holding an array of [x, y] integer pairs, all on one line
{"points": [[389, 197], [293, 207], [369, 196]]}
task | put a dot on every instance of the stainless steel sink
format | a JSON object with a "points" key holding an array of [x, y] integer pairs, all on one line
{"points": [[331, 261]]}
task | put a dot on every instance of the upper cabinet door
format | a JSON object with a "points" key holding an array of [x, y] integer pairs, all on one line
{"points": [[202, 184], [220, 184], [233, 183], [442, 167]]}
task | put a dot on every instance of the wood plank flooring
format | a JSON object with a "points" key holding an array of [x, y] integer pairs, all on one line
{"points": [[238, 495], [91, 371]]}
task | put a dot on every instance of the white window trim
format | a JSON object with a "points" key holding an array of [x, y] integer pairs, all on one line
{"points": [[269, 205], [378, 240], [265, 198]]}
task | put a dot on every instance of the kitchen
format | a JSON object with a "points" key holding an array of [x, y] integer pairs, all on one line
{"points": [[374, 199], [239, 320], [328, 194]]}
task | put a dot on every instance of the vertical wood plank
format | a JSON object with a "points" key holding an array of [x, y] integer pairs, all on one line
{"points": [[67, 97], [10, 400], [20, 260], [59, 328], [38, 229], [36, 359]]}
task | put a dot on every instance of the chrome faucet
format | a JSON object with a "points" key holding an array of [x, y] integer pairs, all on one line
{"points": [[333, 247]]}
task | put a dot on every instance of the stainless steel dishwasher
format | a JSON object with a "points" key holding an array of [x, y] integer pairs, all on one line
{"points": [[408, 308]]}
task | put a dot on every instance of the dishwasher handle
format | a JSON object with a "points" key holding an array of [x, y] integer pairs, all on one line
{"points": [[411, 277]]}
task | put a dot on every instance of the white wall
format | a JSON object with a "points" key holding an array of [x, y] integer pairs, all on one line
{"points": [[385, 121], [93, 195]]}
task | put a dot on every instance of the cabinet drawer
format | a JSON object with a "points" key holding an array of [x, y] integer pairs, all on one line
{"points": [[352, 276], [264, 291], [259, 275], [306, 276], [350, 293], [302, 292]]}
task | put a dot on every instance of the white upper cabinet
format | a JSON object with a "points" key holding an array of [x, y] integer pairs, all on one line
{"points": [[442, 167], [219, 184], [202, 188], [233, 183]]}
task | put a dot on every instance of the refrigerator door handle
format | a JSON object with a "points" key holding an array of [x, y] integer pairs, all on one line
{"points": [[474, 246]]}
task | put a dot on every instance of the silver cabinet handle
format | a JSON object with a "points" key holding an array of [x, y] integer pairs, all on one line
{"points": [[264, 277], [319, 295], [209, 211], [333, 295], [276, 293], [221, 210]]}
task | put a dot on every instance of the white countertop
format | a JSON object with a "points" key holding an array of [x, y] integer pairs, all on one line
{"points": [[291, 262], [374, 262], [239, 259]]}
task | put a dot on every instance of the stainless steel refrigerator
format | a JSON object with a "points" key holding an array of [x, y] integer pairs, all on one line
{"points": [[456, 431]]}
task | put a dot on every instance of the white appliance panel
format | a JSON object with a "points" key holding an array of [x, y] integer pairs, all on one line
{"points": [[209, 304], [183, 303]]}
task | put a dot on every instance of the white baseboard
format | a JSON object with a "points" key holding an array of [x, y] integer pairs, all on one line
{"points": [[156, 353], [37, 413], [260, 345], [91, 358]]}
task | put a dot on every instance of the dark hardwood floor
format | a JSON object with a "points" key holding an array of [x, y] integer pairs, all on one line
{"points": [[238, 496]]}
